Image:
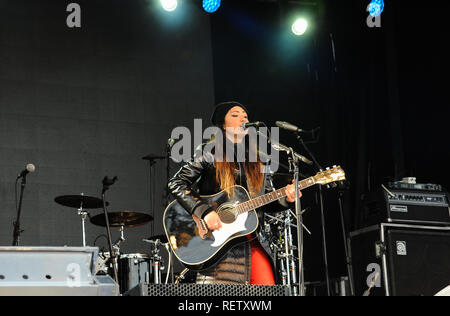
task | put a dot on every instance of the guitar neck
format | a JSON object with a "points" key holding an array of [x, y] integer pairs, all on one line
{"points": [[271, 197]]}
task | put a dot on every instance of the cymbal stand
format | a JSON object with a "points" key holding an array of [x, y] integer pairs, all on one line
{"points": [[116, 245], [84, 214], [106, 184]]}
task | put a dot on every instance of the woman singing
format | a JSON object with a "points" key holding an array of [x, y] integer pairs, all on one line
{"points": [[208, 174]]}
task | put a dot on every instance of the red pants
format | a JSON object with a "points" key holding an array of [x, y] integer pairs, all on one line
{"points": [[262, 273]]}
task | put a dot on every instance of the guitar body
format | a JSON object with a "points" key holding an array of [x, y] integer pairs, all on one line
{"points": [[199, 249]]}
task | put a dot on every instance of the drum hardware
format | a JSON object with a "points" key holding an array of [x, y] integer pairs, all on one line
{"points": [[107, 182], [122, 220], [284, 247], [161, 238], [117, 243], [82, 203], [291, 224], [134, 269], [158, 264], [104, 257], [181, 276], [101, 267], [128, 219], [158, 241]]}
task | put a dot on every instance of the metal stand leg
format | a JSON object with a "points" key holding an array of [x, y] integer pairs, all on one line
{"points": [[83, 215], [285, 250]]}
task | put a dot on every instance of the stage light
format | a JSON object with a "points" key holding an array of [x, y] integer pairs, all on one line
{"points": [[211, 6], [299, 27], [169, 5], [376, 7]]}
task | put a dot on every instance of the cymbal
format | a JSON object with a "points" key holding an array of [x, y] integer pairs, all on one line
{"points": [[78, 201], [123, 218], [162, 238]]}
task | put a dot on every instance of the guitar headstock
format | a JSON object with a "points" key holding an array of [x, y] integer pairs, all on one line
{"points": [[330, 175]]}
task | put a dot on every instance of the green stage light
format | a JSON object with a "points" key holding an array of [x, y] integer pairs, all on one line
{"points": [[169, 5], [299, 27]]}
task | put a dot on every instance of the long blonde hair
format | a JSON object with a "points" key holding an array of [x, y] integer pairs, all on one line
{"points": [[225, 176]]}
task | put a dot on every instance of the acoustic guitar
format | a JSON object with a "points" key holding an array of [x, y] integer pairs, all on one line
{"points": [[197, 248]]}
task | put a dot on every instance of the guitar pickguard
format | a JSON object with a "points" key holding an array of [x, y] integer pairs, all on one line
{"points": [[227, 230]]}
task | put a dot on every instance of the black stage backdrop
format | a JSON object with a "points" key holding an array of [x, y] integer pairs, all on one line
{"points": [[84, 103], [89, 102]]}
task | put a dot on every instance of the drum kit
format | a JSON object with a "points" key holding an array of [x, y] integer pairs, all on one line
{"points": [[132, 268]]}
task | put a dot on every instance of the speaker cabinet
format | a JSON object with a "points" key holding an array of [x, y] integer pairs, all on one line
{"points": [[400, 260], [145, 289]]}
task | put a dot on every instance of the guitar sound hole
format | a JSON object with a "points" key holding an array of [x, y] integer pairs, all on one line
{"points": [[228, 215]]}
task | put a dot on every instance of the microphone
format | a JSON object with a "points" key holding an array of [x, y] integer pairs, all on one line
{"points": [[281, 147], [251, 124], [170, 142], [289, 127], [29, 168], [108, 181]]}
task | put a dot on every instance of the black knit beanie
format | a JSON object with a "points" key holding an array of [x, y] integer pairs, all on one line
{"points": [[221, 110]]}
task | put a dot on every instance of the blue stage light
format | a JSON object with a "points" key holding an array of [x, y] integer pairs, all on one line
{"points": [[211, 6], [376, 7]]}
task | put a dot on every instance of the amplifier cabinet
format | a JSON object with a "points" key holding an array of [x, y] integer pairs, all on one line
{"points": [[406, 206], [400, 260]]}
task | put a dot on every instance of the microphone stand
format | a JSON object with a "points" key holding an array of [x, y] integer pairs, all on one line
{"points": [[167, 201], [166, 191], [296, 159], [298, 213], [347, 254], [151, 158], [152, 161], [106, 184], [324, 242], [17, 230]]}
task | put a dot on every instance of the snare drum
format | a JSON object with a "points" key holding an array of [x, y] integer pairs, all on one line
{"points": [[133, 269]]}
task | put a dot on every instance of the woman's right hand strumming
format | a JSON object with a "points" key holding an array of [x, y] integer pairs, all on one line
{"points": [[212, 220]]}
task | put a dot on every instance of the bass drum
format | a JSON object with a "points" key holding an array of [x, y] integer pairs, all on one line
{"points": [[134, 269]]}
